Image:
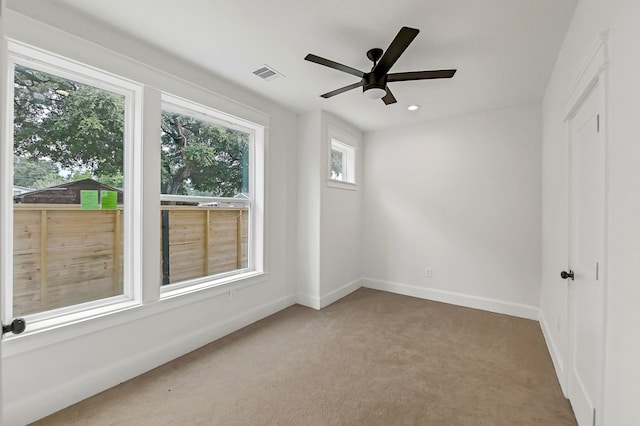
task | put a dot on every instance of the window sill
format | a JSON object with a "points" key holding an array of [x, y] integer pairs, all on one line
{"points": [[215, 287], [57, 330], [342, 185]]}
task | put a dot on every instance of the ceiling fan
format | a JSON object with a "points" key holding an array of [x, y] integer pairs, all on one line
{"points": [[374, 82]]}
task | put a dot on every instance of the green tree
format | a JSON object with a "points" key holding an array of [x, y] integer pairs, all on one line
{"points": [[202, 158], [27, 171], [74, 125], [80, 129], [336, 163], [49, 180], [81, 175], [115, 180]]}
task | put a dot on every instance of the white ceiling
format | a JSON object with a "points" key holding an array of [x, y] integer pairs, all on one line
{"points": [[504, 50]]}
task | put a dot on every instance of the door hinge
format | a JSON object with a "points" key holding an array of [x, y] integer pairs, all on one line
{"points": [[597, 270], [598, 123], [594, 417]]}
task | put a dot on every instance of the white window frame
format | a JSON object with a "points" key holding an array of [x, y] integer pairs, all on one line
{"points": [[348, 160], [255, 202], [19, 53], [142, 289], [345, 144]]}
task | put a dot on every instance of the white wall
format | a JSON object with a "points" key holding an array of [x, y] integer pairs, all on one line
{"points": [[44, 372], [341, 219], [308, 178], [622, 368], [462, 197], [329, 218]]}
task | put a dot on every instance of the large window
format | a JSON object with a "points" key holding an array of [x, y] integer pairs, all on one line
{"points": [[77, 173], [69, 145], [207, 193]]}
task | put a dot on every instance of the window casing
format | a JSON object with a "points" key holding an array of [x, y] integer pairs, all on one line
{"points": [[341, 170], [67, 256], [215, 204], [134, 188]]}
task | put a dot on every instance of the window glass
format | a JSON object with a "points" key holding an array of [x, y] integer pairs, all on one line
{"points": [[342, 162], [68, 177], [337, 164], [206, 196]]}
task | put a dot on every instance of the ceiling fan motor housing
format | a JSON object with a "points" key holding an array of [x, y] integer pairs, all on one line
{"points": [[372, 81]]}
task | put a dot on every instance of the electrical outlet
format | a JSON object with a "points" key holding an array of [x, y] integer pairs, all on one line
{"points": [[429, 273], [232, 294]]}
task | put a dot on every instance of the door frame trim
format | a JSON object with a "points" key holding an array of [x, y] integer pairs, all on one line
{"points": [[596, 63], [594, 72]]}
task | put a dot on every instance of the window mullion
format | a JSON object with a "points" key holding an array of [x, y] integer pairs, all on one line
{"points": [[150, 159]]}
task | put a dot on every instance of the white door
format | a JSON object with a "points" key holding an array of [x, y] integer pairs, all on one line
{"points": [[586, 256]]}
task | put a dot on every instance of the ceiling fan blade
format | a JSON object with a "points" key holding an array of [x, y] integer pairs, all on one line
{"points": [[331, 64], [404, 37], [341, 90], [389, 98], [420, 75]]}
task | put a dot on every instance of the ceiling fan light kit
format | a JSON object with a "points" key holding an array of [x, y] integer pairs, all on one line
{"points": [[374, 82], [373, 86], [374, 93]]}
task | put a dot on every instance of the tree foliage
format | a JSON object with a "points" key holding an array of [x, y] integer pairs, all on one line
{"points": [[79, 129], [201, 158], [74, 125], [336, 163], [28, 171], [49, 180]]}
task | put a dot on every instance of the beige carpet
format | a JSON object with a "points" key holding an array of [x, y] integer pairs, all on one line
{"points": [[373, 358]]}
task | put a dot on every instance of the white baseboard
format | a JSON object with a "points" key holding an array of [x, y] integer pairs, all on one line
{"points": [[460, 299], [308, 301], [338, 294], [556, 358], [324, 301], [43, 402]]}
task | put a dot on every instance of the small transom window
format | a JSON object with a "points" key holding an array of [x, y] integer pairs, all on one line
{"points": [[342, 162]]}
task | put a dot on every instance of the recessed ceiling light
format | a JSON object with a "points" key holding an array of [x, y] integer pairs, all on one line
{"points": [[413, 107]]}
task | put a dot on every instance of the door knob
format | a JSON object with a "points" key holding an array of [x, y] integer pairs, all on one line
{"points": [[17, 326], [565, 274]]}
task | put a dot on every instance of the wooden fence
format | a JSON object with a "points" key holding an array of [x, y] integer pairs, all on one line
{"points": [[203, 241], [64, 255]]}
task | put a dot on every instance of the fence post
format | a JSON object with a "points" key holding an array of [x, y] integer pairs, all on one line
{"points": [[43, 260], [206, 243], [239, 240], [117, 244], [165, 248]]}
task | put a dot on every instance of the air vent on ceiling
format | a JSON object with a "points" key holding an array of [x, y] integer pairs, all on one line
{"points": [[267, 73]]}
